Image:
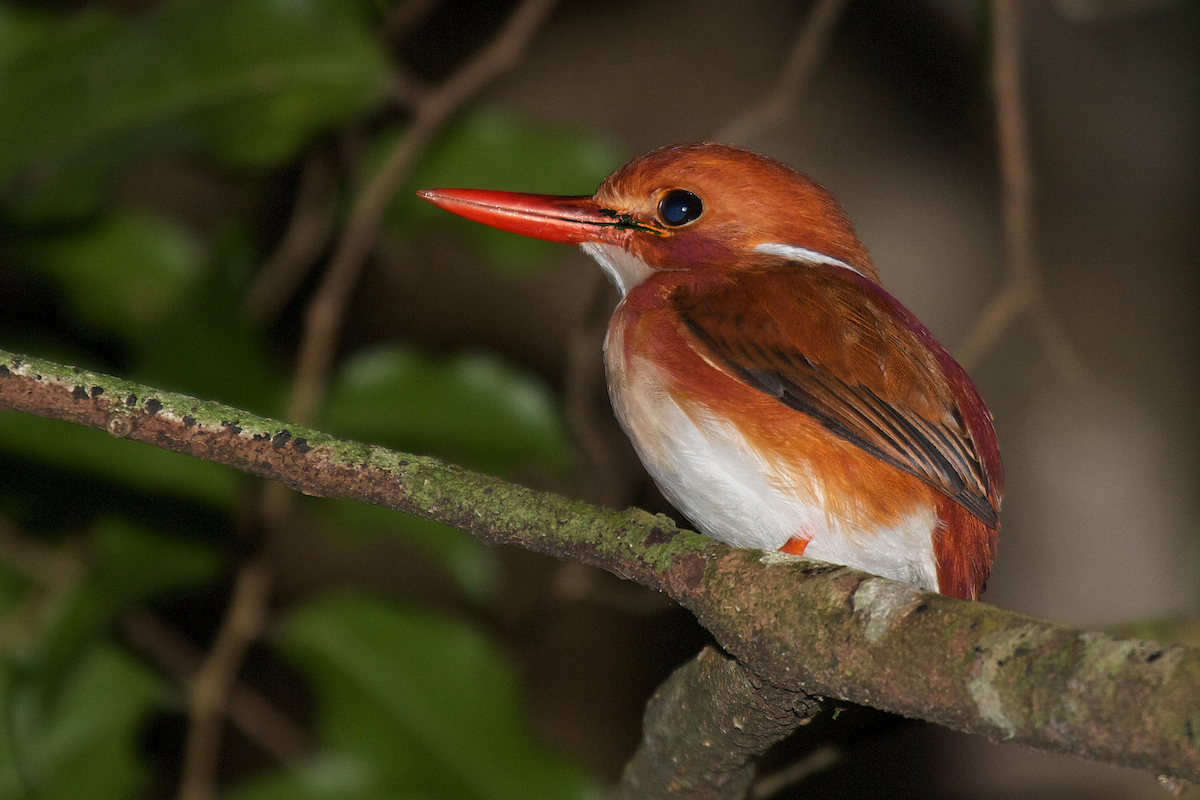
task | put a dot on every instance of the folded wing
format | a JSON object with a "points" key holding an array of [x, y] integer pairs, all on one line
{"points": [[849, 355]]}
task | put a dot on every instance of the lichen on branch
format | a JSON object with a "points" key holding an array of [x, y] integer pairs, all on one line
{"points": [[796, 624]]}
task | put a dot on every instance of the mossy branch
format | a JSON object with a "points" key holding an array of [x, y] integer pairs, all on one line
{"points": [[704, 727], [795, 624]]}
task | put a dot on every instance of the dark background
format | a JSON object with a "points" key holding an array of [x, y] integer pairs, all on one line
{"points": [[119, 163]]}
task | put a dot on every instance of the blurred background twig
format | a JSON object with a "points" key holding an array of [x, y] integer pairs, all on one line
{"points": [[802, 62], [1021, 293]]}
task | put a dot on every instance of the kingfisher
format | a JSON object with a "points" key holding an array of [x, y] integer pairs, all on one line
{"points": [[779, 397]]}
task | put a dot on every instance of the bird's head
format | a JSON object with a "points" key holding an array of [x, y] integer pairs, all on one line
{"points": [[702, 207]]}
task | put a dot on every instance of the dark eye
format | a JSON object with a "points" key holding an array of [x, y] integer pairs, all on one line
{"points": [[679, 207]]}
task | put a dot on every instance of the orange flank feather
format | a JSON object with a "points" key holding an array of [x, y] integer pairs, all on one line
{"points": [[965, 549], [778, 396], [795, 442]]}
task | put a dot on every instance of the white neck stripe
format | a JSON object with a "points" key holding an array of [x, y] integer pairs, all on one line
{"points": [[791, 251], [624, 269]]}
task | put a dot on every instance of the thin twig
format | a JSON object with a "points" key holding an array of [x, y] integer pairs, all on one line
{"points": [[55, 573], [327, 310], [406, 89], [45, 565], [806, 54], [404, 17], [59, 568], [213, 686], [819, 760], [217, 676], [261, 721], [1022, 290], [302, 242]]}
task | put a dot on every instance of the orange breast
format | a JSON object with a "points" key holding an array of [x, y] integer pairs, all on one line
{"points": [[752, 472], [748, 470], [860, 488]]}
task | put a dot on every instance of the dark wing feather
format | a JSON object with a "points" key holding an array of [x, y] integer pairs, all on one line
{"points": [[899, 407]]}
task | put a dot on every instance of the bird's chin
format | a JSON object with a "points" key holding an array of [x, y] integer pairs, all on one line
{"points": [[625, 270]]}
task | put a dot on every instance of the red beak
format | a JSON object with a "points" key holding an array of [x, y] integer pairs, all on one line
{"points": [[567, 220]]}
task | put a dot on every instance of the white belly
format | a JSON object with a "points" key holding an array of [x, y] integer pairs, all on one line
{"points": [[725, 486]]}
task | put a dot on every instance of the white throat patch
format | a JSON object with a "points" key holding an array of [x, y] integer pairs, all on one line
{"points": [[794, 253], [624, 270]]}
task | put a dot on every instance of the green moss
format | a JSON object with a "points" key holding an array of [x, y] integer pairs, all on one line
{"points": [[998, 692], [1102, 659], [751, 556], [684, 542], [434, 490]]}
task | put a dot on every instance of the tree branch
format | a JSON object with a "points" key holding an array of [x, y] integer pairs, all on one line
{"points": [[704, 727], [796, 624]]}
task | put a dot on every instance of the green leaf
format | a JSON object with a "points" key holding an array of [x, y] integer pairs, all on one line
{"points": [[121, 276], [13, 586], [132, 464], [175, 303], [326, 777], [473, 409], [68, 624], [135, 563], [488, 149], [245, 81], [210, 350], [420, 705], [82, 741], [132, 564], [19, 31], [473, 566]]}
